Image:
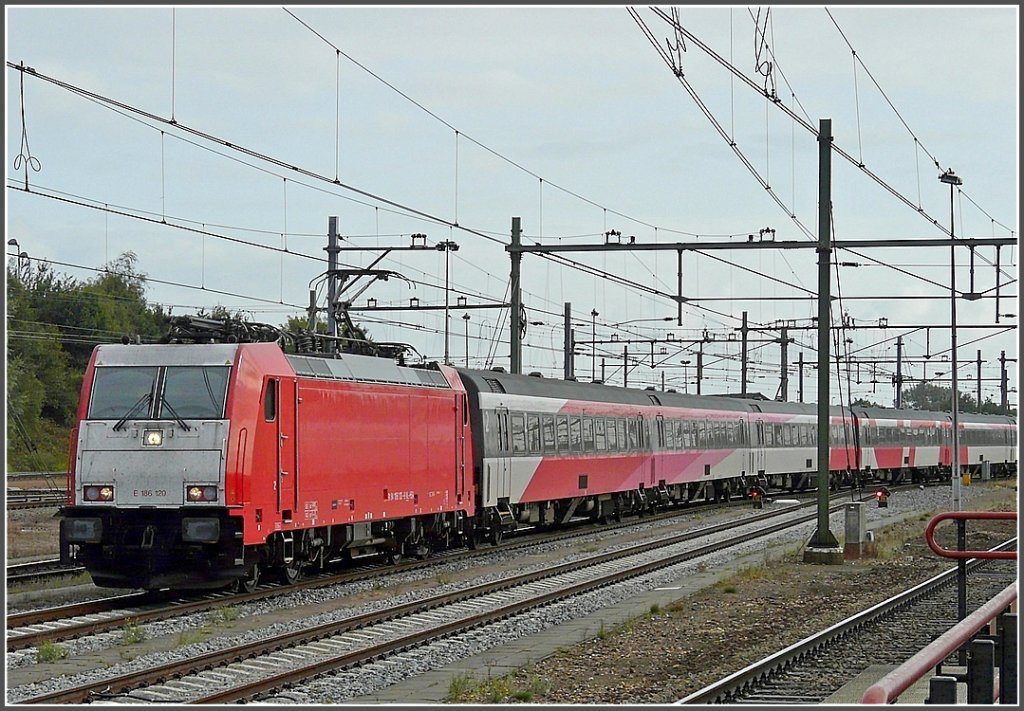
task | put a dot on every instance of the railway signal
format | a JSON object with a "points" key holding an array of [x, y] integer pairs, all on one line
{"points": [[882, 496], [757, 495]]}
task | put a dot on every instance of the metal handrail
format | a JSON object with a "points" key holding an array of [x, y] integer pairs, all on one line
{"points": [[964, 516], [904, 676]]}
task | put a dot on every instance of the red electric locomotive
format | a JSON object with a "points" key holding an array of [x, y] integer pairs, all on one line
{"points": [[195, 465]]}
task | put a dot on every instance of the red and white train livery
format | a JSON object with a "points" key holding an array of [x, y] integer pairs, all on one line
{"points": [[200, 465]]}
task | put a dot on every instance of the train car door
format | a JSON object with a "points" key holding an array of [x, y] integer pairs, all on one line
{"points": [[502, 475], [657, 447], [757, 449], [461, 425], [287, 433]]}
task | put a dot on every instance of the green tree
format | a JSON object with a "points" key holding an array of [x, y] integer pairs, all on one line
{"points": [[53, 324], [864, 402]]}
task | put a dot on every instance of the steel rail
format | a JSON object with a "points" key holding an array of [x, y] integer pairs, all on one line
{"points": [[722, 689], [134, 680]]}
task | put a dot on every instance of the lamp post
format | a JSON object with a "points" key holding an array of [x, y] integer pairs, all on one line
{"points": [[22, 256], [465, 317], [446, 246], [593, 346], [951, 179], [686, 382]]}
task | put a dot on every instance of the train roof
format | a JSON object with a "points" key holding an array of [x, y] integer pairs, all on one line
{"points": [[109, 354], [791, 408], [904, 414], [988, 419], [536, 386], [886, 413]]}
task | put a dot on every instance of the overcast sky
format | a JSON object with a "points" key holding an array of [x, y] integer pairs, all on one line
{"points": [[450, 121]]}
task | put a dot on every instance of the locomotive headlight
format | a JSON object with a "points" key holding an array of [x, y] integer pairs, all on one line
{"points": [[153, 438], [201, 492], [98, 493]]}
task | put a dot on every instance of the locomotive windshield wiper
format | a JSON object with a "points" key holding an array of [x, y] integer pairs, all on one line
{"points": [[177, 417], [127, 416]]}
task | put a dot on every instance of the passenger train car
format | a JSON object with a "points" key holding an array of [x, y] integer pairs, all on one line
{"points": [[204, 465]]}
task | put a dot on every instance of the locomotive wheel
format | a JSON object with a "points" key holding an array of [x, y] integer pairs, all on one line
{"points": [[250, 581], [289, 572], [495, 535], [394, 556]]}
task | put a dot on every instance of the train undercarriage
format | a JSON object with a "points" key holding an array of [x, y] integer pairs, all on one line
{"points": [[192, 549]]}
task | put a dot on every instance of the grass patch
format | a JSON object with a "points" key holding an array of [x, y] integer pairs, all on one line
{"points": [[192, 636], [132, 633], [602, 632], [223, 615], [48, 651], [460, 688]]}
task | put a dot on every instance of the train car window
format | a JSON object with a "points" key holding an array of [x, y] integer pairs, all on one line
{"points": [[549, 433], [575, 433], [270, 401], [669, 430], [533, 433], [562, 433], [588, 434], [518, 433], [631, 442], [116, 392], [193, 392], [612, 432], [599, 441], [503, 440]]}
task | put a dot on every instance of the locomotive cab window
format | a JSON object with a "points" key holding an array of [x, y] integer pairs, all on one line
{"points": [[270, 401], [159, 392], [122, 392], [193, 392]]}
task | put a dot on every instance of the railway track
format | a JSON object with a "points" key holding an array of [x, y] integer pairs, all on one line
{"points": [[248, 671], [34, 498], [29, 629], [40, 570], [811, 670]]}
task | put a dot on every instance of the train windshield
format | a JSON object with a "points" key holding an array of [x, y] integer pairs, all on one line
{"points": [[185, 392], [193, 392]]}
